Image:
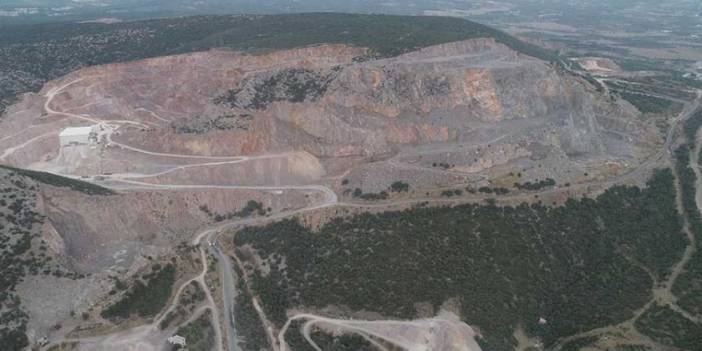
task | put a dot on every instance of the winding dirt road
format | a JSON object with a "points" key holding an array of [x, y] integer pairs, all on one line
{"points": [[142, 338], [438, 333], [228, 296], [662, 291]]}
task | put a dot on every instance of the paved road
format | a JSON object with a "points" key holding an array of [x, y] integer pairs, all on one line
{"points": [[228, 296]]}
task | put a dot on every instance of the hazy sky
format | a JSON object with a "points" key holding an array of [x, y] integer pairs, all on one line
{"points": [[12, 11]]}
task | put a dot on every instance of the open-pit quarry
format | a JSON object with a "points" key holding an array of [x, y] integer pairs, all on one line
{"points": [[198, 144]]}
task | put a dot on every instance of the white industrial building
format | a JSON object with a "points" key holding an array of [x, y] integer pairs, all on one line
{"points": [[177, 340], [78, 135]]}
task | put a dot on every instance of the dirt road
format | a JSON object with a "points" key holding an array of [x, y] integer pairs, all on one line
{"points": [[662, 291], [149, 337], [444, 332]]}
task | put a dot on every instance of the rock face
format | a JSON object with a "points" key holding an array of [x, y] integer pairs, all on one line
{"points": [[333, 103], [317, 99]]}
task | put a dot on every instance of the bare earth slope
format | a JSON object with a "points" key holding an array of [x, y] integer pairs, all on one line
{"points": [[81, 241]]}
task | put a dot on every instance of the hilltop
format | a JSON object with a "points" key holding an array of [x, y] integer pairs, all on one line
{"points": [[33, 55]]}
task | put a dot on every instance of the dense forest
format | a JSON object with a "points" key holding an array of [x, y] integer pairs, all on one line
{"points": [[648, 104], [248, 326], [33, 55], [663, 324], [688, 287], [579, 266]]}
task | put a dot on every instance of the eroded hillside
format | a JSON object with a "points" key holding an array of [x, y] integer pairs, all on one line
{"points": [[64, 244]]}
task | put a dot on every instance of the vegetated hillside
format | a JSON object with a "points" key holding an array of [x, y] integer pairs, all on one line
{"points": [[668, 324], [146, 298], [22, 252], [32, 55], [650, 104], [579, 266], [663, 323], [59, 181]]}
